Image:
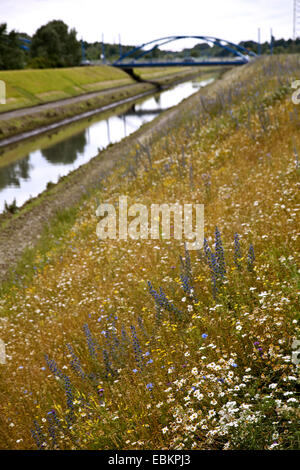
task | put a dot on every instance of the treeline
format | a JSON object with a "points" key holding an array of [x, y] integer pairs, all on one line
{"points": [[11, 55], [55, 45], [278, 46], [52, 45], [96, 50]]}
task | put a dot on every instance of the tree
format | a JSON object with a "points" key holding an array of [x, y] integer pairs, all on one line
{"points": [[53, 45], [11, 55]]}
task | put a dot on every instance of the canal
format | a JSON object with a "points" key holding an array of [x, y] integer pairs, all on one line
{"points": [[28, 167]]}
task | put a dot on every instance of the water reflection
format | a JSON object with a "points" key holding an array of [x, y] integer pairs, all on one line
{"points": [[12, 174], [135, 111], [67, 151], [29, 176]]}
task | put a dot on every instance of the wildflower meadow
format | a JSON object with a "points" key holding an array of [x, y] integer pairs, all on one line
{"points": [[144, 344]]}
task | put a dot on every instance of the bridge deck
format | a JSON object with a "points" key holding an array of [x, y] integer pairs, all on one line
{"points": [[133, 64]]}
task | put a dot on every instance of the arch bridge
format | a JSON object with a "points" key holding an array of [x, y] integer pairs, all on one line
{"points": [[136, 57]]}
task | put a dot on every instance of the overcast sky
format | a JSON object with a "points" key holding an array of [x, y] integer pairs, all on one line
{"points": [[139, 21]]}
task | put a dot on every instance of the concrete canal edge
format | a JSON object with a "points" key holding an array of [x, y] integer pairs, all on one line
{"points": [[23, 123]]}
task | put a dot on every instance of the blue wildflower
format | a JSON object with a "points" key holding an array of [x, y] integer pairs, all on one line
{"points": [[75, 363], [220, 253], [162, 301], [251, 258], [137, 348], [90, 341], [237, 251]]}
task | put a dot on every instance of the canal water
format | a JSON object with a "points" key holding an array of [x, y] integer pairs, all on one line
{"points": [[43, 160]]}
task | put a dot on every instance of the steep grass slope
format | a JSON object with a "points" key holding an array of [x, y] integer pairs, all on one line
{"points": [[148, 345], [30, 87]]}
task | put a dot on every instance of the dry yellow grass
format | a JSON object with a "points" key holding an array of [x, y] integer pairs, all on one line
{"points": [[218, 375]]}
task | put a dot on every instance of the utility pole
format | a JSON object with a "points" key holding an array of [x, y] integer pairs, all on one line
{"points": [[271, 42], [296, 27], [103, 50], [82, 51], [259, 45], [120, 46]]}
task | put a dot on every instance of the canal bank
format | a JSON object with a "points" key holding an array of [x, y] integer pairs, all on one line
{"points": [[23, 229], [28, 168], [38, 118]]}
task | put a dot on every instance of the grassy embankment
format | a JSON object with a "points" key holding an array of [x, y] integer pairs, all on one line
{"points": [[205, 362], [31, 87], [15, 152]]}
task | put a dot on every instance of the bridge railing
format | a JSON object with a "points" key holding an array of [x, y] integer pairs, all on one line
{"points": [[236, 54], [185, 60]]}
